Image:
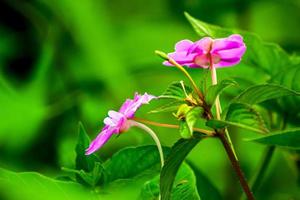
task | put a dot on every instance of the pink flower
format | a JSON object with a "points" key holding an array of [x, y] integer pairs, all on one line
{"points": [[221, 52], [117, 122]]}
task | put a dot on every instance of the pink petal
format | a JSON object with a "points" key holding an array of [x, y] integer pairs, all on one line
{"points": [[227, 62], [100, 140], [183, 45], [130, 108], [232, 53], [233, 41], [201, 46]]}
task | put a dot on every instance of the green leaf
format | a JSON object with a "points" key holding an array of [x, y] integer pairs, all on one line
{"points": [[184, 186], [259, 93], [34, 186], [206, 188], [169, 107], [217, 124], [88, 167], [130, 162], [287, 139], [178, 153], [188, 116], [215, 90], [177, 90], [243, 116], [88, 178], [83, 161], [192, 117], [184, 130]]}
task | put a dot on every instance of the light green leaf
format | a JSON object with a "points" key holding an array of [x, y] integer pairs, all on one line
{"points": [[287, 139], [184, 130], [178, 153], [177, 90], [215, 90], [34, 186], [192, 117], [259, 93]]}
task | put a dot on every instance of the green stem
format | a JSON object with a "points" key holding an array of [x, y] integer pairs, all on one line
{"points": [[218, 106], [189, 77]]}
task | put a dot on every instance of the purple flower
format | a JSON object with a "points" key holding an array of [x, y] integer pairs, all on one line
{"points": [[117, 122], [221, 52]]}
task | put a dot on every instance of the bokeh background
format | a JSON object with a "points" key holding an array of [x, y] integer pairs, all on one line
{"points": [[66, 61]]}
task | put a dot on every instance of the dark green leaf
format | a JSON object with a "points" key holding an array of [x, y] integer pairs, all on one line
{"points": [[88, 168], [83, 161], [287, 139], [243, 116], [259, 93], [130, 162], [215, 90], [206, 189], [176, 156], [184, 186], [177, 90]]}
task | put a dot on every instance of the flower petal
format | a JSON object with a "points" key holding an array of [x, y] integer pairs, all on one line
{"points": [[227, 62], [100, 140], [232, 53], [183, 45], [202, 46], [130, 106]]}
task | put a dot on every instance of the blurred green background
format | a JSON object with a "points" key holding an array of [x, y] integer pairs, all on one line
{"points": [[65, 61]]}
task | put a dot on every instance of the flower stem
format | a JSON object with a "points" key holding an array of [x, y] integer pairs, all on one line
{"points": [[226, 141], [204, 131], [218, 105], [236, 166], [154, 137], [189, 77]]}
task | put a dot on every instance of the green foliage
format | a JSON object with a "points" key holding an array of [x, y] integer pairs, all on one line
{"points": [[191, 117], [215, 90], [288, 139], [260, 93], [168, 107], [88, 168], [178, 153], [83, 161], [243, 116], [34, 186], [206, 189], [184, 186], [130, 162], [177, 90]]}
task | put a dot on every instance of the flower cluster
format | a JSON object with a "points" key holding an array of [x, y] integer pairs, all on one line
{"points": [[205, 53]]}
